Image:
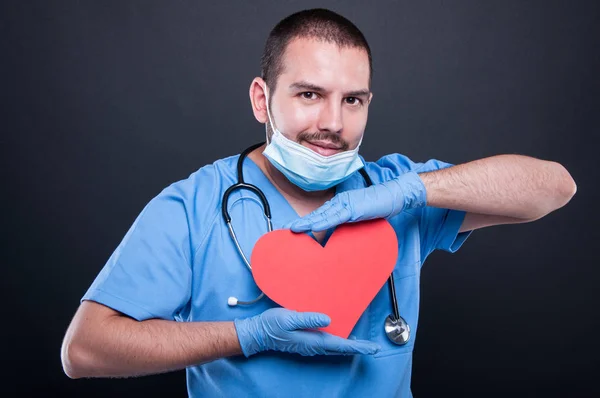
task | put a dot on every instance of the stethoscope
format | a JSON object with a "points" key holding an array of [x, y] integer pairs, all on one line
{"points": [[396, 328]]}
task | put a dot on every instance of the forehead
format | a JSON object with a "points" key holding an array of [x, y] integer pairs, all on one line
{"points": [[325, 64]]}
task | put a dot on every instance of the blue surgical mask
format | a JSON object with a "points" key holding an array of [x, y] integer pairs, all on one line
{"points": [[306, 168]]}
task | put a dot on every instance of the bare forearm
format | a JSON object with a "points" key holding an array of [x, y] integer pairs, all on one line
{"points": [[505, 185], [122, 347]]}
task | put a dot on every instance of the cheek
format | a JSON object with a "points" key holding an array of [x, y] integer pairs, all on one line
{"points": [[355, 124], [299, 119]]}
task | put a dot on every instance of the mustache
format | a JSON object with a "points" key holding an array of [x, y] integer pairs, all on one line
{"points": [[324, 136]]}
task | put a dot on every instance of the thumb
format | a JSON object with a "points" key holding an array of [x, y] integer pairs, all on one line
{"points": [[309, 320], [288, 225]]}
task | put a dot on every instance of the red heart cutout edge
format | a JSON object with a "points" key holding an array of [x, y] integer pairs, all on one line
{"points": [[339, 279]]}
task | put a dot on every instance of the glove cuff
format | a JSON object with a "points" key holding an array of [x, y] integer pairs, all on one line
{"points": [[415, 193], [246, 333]]}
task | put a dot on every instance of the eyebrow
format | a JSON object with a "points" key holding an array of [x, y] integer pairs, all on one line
{"points": [[303, 85]]}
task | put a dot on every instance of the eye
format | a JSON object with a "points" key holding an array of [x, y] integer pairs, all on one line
{"points": [[353, 101], [308, 95]]}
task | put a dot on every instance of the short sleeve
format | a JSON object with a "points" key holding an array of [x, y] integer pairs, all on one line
{"points": [[149, 273], [438, 228]]}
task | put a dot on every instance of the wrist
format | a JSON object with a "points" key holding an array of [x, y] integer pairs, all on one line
{"points": [[247, 334], [412, 193]]}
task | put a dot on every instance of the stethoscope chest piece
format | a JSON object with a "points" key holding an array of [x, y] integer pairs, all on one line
{"points": [[397, 330]]}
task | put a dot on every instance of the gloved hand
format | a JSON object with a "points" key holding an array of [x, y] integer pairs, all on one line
{"points": [[281, 329], [377, 201]]}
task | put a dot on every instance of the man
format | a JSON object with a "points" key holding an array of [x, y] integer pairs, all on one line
{"points": [[161, 301]]}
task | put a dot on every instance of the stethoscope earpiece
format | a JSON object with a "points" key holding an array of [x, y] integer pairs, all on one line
{"points": [[232, 301]]}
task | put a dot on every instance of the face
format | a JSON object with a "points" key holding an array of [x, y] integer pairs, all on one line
{"points": [[322, 96]]}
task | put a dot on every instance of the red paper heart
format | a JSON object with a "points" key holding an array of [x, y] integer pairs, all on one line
{"points": [[340, 279]]}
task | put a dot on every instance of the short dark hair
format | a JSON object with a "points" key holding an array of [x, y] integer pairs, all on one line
{"points": [[318, 23]]}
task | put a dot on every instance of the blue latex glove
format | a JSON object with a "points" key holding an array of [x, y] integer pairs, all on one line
{"points": [[377, 201], [281, 329]]}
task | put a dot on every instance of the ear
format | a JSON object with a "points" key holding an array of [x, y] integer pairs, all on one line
{"points": [[258, 99], [370, 98]]}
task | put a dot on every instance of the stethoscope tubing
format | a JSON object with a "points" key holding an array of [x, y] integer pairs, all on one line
{"points": [[267, 212]]}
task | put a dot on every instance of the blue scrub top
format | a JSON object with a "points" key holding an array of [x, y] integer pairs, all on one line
{"points": [[178, 262]]}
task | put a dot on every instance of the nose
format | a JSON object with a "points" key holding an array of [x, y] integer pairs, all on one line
{"points": [[330, 117]]}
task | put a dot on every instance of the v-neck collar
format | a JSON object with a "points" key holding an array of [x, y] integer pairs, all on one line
{"points": [[270, 190]]}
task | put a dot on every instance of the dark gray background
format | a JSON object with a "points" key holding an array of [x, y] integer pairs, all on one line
{"points": [[106, 103]]}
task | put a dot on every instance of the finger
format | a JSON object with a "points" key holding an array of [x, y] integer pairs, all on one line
{"points": [[326, 219], [289, 224], [308, 320], [335, 344], [305, 223], [341, 216], [330, 219], [321, 213]]}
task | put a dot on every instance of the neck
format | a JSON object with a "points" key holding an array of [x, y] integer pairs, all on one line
{"points": [[293, 193]]}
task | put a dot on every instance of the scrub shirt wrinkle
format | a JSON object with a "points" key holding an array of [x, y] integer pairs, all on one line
{"points": [[178, 262]]}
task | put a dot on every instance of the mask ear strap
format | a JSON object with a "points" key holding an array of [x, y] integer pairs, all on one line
{"points": [[266, 134], [268, 115], [361, 138]]}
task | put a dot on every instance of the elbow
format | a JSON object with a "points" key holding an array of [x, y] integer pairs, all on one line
{"points": [[571, 188], [566, 187], [76, 358], [81, 352], [560, 193], [71, 358]]}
